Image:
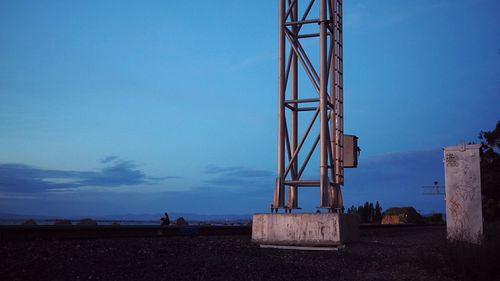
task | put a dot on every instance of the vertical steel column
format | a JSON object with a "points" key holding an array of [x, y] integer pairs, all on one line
{"points": [[333, 116], [324, 180], [341, 88], [279, 189], [339, 104], [293, 191]]}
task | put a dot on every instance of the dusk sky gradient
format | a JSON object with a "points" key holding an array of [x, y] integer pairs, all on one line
{"points": [[114, 107]]}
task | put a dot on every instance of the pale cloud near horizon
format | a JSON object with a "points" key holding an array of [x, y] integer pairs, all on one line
{"points": [[393, 179], [21, 178]]}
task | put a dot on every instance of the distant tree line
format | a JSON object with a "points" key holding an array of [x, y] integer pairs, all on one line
{"points": [[490, 172], [368, 213]]}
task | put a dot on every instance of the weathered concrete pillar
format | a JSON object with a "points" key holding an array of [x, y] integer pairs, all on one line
{"points": [[464, 216]]}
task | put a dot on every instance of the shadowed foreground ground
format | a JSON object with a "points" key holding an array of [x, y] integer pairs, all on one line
{"points": [[382, 254]]}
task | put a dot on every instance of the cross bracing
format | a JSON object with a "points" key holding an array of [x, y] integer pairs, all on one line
{"points": [[321, 21]]}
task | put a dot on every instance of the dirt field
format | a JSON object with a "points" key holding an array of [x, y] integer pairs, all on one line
{"points": [[418, 253]]}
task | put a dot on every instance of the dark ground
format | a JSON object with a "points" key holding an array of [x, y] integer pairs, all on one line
{"points": [[417, 253]]}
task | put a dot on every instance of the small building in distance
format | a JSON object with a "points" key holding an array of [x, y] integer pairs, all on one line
{"points": [[402, 215]]}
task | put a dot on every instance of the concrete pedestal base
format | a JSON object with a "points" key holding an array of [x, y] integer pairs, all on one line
{"points": [[329, 229]]}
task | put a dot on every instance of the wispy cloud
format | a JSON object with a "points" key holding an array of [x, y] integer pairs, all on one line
{"points": [[399, 169], [108, 159], [238, 177], [394, 179], [24, 178]]}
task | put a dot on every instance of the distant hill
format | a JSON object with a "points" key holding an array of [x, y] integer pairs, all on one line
{"points": [[7, 216], [134, 217]]}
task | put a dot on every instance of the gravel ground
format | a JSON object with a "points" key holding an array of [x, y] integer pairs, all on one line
{"points": [[382, 254]]}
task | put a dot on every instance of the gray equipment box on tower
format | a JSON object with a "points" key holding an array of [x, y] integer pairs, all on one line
{"points": [[351, 151]]}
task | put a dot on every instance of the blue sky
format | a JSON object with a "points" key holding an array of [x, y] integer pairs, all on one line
{"points": [[111, 107]]}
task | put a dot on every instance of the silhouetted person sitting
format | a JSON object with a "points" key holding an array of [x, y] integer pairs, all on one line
{"points": [[165, 220]]}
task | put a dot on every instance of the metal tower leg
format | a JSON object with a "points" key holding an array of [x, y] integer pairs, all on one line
{"points": [[323, 95], [279, 191], [293, 189]]}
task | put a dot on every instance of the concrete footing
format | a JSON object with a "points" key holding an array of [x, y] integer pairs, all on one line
{"points": [[313, 229]]}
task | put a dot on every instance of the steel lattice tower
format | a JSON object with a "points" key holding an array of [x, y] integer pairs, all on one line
{"points": [[327, 102]]}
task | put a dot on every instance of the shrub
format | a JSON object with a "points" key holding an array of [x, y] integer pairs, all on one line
{"points": [[434, 219], [29, 222], [180, 221], [476, 261], [87, 221]]}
